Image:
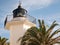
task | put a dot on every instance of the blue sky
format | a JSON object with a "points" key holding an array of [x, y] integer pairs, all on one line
{"points": [[49, 10]]}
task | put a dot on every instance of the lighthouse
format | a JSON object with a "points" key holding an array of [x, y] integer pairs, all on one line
{"points": [[18, 23]]}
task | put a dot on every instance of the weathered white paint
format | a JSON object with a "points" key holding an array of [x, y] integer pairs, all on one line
{"points": [[17, 28]]}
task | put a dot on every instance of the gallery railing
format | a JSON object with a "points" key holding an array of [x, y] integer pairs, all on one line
{"points": [[10, 17]]}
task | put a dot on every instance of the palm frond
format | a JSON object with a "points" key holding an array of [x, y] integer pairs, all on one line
{"points": [[34, 32], [40, 35], [50, 29], [0, 39], [40, 25], [55, 32], [52, 41], [30, 33], [4, 40], [43, 28], [39, 21], [34, 39], [31, 41], [57, 43], [19, 39], [53, 22]]}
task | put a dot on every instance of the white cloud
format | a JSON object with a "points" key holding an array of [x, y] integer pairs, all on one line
{"points": [[37, 4], [34, 4]]}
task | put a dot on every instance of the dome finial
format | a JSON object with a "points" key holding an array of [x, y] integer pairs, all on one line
{"points": [[19, 12], [19, 2]]}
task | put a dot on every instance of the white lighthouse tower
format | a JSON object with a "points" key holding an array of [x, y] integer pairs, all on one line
{"points": [[18, 23]]}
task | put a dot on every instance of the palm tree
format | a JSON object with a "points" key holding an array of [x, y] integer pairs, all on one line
{"points": [[3, 41], [41, 35]]}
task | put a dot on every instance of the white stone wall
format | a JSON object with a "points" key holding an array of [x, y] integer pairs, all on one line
{"points": [[17, 29]]}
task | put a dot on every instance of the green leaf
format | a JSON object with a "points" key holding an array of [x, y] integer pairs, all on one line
{"points": [[54, 33], [54, 40], [40, 25], [43, 28], [50, 29], [4, 40]]}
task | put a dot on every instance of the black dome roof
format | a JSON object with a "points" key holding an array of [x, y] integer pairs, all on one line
{"points": [[19, 12]]}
